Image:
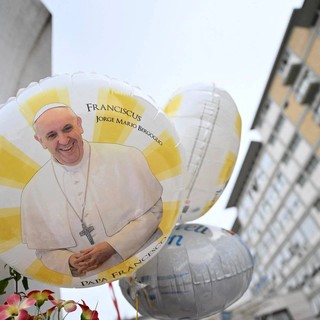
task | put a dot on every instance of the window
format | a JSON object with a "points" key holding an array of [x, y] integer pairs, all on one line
{"points": [[298, 243], [308, 87], [257, 222], [316, 304], [243, 215], [279, 182], [302, 179], [279, 123], [283, 314], [284, 61], [291, 148], [272, 138], [294, 143], [293, 204], [265, 208], [290, 66], [286, 254], [253, 232], [284, 216], [247, 202], [290, 210], [263, 112], [316, 110], [309, 228], [277, 263], [266, 162], [312, 265], [276, 228], [308, 170], [268, 240], [276, 129], [272, 195], [286, 157], [311, 165], [291, 284], [301, 276], [316, 114], [259, 179], [245, 238], [262, 248]]}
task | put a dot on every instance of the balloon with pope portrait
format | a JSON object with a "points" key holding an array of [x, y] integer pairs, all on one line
{"points": [[101, 146]]}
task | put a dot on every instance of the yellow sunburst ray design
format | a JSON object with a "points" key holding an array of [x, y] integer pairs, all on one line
{"points": [[10, 235], [118, 115], [171, 210], [238, 125], [227, 168], [37, 270], [31, 105], [16, 168], [164, 160], [173, 106]]}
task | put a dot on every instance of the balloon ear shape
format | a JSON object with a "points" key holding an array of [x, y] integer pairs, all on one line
{"points": [[201, 271], [107, 188], [209, 126]]}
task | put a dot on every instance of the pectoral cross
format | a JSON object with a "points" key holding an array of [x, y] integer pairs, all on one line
{"points": [[86, 231]]}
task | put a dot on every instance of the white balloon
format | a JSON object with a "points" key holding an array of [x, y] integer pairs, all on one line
{"points": [[201, 271], [209, 126]]}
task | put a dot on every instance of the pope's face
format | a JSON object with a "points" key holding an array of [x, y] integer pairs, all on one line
{"points": [[60, 131]]}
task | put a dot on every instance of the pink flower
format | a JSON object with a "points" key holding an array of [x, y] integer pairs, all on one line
{"points": [[40, 296], [87, 313], [56, 302], [47, 314], [13, 308], [69, 306]]}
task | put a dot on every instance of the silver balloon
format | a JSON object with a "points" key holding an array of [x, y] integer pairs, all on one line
{"points": [[200, 271]]}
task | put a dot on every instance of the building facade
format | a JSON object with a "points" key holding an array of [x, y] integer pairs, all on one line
{"points": [[25, 42], [277, 192]]}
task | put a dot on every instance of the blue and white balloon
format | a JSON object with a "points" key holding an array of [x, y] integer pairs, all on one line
{"points": [[199, 272]]}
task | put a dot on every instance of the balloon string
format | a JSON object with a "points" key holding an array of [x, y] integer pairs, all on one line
{"points": [[114, 299], [137, 306]]}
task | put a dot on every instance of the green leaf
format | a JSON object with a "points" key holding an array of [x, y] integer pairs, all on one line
{"points": [[3, 285], [25, 283], [17, 276], [12, 271]]}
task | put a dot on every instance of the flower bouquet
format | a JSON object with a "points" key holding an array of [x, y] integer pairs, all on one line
{"points": [[36, 304]]}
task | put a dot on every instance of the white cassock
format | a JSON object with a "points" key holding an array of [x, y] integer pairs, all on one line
{"points": [[123, 205]]}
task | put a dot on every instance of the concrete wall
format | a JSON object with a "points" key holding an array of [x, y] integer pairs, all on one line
{"points": [[25, 42], [25, 56]]}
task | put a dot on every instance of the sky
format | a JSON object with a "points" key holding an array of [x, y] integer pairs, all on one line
{"points": [[163, 45]]}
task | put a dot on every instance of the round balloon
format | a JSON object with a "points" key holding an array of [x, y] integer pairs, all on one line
{"points": [[201, 271], [209, 126], [90, 180]]}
